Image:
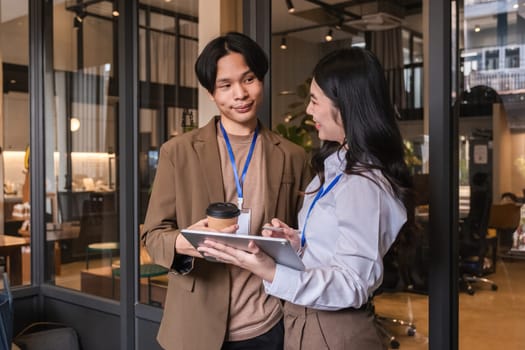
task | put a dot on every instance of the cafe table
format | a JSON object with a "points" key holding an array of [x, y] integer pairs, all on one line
{"points": [[11, 248]]}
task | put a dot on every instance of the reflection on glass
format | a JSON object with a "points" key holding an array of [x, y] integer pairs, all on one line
{"points": [[404, 292], [491, 179], [412, 107], [82, 241], [168, 45], [512, 57], [15, 207], [418, 49], [491, 59]]}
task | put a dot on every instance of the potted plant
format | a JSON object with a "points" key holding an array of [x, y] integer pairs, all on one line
{"points": [[297, 125]]}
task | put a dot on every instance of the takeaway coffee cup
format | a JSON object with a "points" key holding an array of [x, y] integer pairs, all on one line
{"points": [[221, 215]]}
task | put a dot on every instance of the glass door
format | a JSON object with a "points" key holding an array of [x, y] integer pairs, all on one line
{"points": [[82, 235], [15, 207], [490, 102]]}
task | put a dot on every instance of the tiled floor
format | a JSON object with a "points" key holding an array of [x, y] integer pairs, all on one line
{"points": [[487, 320]]}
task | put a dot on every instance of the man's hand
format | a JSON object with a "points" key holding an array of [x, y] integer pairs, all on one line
{"points": [[182, 246]]}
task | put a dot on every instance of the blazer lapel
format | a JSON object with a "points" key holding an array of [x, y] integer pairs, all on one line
{"points": [[274, 160], [208, 153]]}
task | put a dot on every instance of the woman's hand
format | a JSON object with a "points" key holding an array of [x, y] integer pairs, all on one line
{"points": [[282, 230], [255, 260]]}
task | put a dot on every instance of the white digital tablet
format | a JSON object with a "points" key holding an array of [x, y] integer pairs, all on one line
{"points": [[278, 248]]}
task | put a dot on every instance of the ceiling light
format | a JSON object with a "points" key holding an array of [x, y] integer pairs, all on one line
{"points": [[477, 28], [80, 14], [78, 19], [515, 6], [115, 12], [289, 4], [329, 35], [283, 43], [74, 124]]}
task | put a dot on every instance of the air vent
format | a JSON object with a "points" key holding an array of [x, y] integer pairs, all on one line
{"points": [[376, 22]]}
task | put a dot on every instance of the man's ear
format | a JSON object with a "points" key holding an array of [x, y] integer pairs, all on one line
{"points": [[210, 96]]}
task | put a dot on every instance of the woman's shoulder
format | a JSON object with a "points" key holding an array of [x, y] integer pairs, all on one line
{"points": [[371, 179]]}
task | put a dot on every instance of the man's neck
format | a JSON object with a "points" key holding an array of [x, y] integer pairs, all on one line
{"points": [[239, 129]]}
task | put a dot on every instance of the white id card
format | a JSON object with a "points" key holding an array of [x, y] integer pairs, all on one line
{"points": [[244, 222]]}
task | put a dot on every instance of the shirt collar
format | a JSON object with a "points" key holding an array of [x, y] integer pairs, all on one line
{"points": [[335, 164]]}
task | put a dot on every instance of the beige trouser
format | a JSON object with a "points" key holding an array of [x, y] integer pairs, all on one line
{"points": [[347, 329]]}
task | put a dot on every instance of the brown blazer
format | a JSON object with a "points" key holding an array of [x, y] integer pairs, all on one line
{"points": [[188, 178]]}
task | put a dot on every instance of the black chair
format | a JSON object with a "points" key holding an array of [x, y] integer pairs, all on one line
{"points": [[393, 280], [476, 248], [504, 218]]}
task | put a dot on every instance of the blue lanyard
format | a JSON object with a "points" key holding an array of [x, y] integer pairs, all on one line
{"points": [[320, 194], [238, 182]]}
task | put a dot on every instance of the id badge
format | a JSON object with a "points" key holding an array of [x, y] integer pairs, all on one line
{"points": [[244, 222]]}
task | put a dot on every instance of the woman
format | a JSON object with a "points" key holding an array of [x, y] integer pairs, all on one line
{"points": [[352, 213]]}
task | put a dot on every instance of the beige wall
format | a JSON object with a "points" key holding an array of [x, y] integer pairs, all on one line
{"points": [[508, 156], [211, 26]]}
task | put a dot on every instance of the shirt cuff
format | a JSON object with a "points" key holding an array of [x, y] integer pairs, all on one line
{"points": [[284, 283], [183, 264]]}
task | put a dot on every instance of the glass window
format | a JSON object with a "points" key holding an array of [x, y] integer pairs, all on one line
{"points": [[83, 237], [412, 106], [403, 296], [168, 45], [491, 59], [418, 49], [15, 208], [512, 57], [81, 143], [407, 55], [491, 173]]}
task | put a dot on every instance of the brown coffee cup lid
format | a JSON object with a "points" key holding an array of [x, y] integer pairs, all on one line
{"points": [[222, 210]]}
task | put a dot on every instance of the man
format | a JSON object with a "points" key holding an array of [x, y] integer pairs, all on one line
{"points": [[231, 159]]}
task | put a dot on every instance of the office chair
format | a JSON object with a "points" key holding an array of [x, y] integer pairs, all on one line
{"points": [[383, 325], [504, 218], [392, 280], [474, 243]]}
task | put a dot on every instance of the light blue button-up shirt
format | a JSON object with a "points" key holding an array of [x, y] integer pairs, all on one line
{"points": [[349, 231]]}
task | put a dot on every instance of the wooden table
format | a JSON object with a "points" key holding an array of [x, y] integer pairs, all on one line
{"points": [[11, 248], [146, 271], [102, 247], [56, 232]]}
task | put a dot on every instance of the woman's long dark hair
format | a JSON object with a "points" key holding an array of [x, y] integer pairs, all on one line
{"points": [[353, 79]]}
